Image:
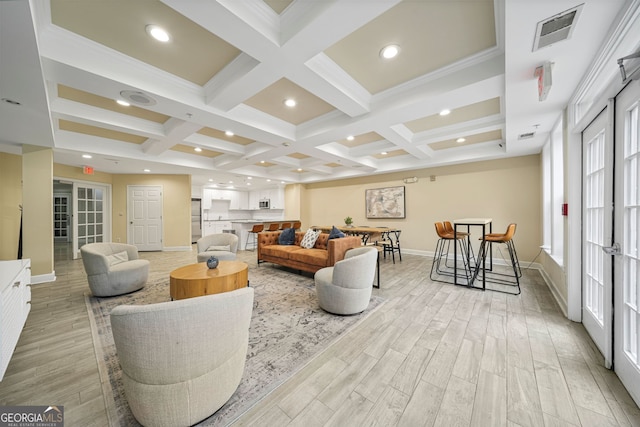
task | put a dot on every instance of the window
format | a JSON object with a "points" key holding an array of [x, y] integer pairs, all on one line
{"points": [[553, 193]]}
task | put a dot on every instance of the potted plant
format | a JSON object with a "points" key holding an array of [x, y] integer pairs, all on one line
{"points": [[348, 221]]}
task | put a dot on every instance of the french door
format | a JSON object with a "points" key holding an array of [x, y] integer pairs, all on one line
{"points": [[144, 206], [627, 236], [61, 218], [597, 220], [90, 215]]}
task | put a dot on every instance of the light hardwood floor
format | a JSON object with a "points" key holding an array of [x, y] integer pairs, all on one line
{"points": [[433, 354]]}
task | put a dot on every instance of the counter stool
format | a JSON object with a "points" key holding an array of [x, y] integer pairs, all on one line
{"points": [[274, 226], [506, 239], [297, 225], [285, 225], [445, 239], [448, 228], [253, 235]]}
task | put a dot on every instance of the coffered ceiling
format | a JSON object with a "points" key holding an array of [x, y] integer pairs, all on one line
{"points": [[219, 84]]}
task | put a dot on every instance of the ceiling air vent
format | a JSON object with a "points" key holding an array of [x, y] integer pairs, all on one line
{"points": [[556, 28], [528, 135]]}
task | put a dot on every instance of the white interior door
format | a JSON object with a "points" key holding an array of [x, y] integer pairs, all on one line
{"points": [[145, 217], [61, 218], [627, 236], [597, 178], [91, 218]]}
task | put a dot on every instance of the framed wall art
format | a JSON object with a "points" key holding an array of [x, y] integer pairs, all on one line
{"points": [[385, 202]]}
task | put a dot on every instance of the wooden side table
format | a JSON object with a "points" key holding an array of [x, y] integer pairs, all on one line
{"points": [[196, 280]]}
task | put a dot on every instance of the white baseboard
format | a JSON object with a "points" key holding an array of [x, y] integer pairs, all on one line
{"points": [[177, 249], [43, 278]]}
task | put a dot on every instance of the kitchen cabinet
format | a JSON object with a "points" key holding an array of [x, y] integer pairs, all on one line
{"points": [[216, 227], [15, 304], [239, 200]]}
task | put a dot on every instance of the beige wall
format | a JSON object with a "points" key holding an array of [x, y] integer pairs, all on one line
{"points": [[75, 173], [176, 207], [10, 200], [37, 231], [292, 196], [505, 190]]}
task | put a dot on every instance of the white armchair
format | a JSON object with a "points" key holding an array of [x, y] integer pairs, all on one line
{"points": [[346, 287], [222, 245], [113, 268], [182, 360]]}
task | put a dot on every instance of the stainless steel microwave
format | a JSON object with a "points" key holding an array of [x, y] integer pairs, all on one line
{"points": [[264, 204]]}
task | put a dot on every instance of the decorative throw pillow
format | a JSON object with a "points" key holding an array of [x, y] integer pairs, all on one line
{"points": [[287, 237], [335, 233], [310, 238], [117, 258], [219, 248]]}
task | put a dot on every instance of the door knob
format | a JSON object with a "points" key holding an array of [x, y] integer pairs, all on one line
{"points": [[612, 250]]}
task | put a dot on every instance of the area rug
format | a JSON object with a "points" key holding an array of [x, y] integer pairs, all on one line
{"points": [[287, 330]]}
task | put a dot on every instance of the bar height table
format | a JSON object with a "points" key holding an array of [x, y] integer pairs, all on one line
{"points": [[468, 222]]}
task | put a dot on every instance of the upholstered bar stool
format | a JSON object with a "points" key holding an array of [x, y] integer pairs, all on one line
{"points": [[285, 225], [506, 239], [444, 241], [297, 225], [274, 226], [252, 236], [448, 228]]}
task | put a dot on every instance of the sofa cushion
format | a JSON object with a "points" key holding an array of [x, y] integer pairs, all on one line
{"points": [[287, 237], [280, 251], [226, 248], [335, 233], [317, 257], [309, 238]]}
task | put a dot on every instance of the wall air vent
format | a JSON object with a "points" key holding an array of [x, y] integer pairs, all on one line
{"points": [[556, 28], [528, 135]]}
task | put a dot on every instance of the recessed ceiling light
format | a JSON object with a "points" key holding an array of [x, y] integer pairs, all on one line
{"points": [[281, 182], [157, 33], [384, 153], [299, 169], [290, 102], [350, 138], [249, 177], [210, 179], [229, 133], [230, 182], [147, 170], [197, 149], [262, 161], [390, 51], [123, 102], [248, 184], [460, 140], [268, 179], [86, 156], [445, 112]]}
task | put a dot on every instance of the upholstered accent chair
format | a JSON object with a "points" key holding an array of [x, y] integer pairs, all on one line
{"points": [[346, 287], [182, 360], [113, 268], [222, 245]]}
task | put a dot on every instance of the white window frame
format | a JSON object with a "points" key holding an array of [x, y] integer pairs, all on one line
{"points": [[553, 222]]}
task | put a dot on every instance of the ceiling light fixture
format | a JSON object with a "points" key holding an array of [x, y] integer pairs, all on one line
{"points": [[290, 102], [299, 169], [384, 153], [268, 179], [390, 51], [229, 133], [459, 140], [197, 149], [350, 138], [249, 177], [86, 156], [147, 170], [123, 102], [210, 179], [157, 33], [262, 162], [445, 112]]}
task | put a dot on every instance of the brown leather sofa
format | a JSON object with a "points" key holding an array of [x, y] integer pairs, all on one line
{"points": [[325, 252]]}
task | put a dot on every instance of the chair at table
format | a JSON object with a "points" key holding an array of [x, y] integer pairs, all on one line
{"points": [[391, 244], [445, 240], [285, 225], [495, 277], [252, 237], [274, 226]]}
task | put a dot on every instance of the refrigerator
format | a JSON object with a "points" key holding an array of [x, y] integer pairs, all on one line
{"points": [[196, 223]]}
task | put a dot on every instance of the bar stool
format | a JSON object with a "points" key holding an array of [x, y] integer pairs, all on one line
{"points": [[285, 225], [444, 240], [448, 228], [297, 225], [506, 239], [274, 226], [253, 234]]}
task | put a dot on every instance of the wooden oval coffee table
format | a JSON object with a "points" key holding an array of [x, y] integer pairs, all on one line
{"points": [[196, 280]]}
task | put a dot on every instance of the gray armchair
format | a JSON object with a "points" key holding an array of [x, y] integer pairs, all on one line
{"points": [[223, 246], [346, 287], [113, 268], [182, 360]]}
